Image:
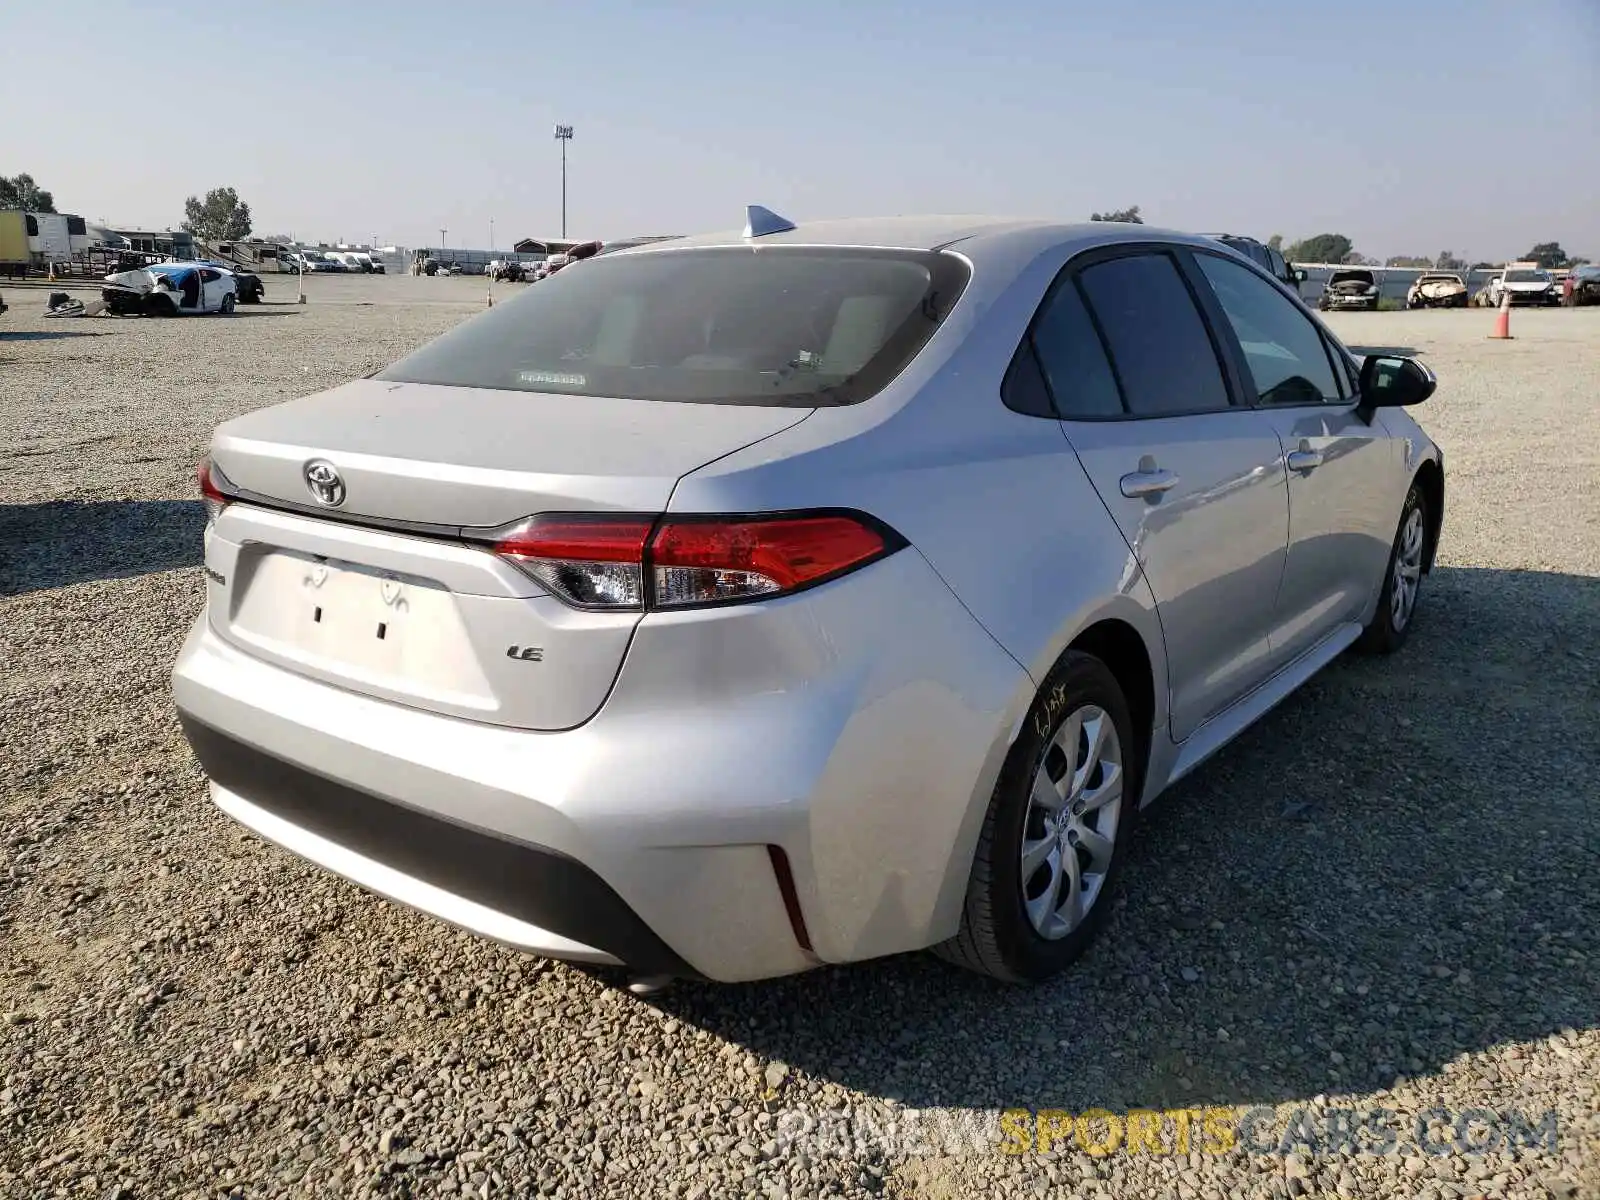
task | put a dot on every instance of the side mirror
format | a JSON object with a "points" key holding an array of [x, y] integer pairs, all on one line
{"points": [[1393, 381], [1300, 276]]}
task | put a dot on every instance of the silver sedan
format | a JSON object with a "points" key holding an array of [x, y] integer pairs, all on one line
{"points": [[745, 603]]}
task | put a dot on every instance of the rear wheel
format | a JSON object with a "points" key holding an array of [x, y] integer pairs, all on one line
{"points": [[228, 304], [1053, 838], [1402, 582]]}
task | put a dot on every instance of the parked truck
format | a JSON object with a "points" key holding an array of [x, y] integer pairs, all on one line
{"points": [[14, 257], [32, 241]]}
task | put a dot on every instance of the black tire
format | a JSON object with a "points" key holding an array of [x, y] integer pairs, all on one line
{"points": [[996, 937], [1383, 634], [229, 303]]}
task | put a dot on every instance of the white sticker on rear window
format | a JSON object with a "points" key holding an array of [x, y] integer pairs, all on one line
{"points": [[551, 379]]}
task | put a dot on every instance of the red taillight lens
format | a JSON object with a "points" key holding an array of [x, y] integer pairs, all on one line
{"points": [[590, 562], [708, 562], [607, 562], [215, 498]]}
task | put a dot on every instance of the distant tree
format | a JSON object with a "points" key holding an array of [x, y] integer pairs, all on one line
{"points": [[1324, 248], [1356, 259], [1449, 262], [1547, 254], [220, 217], [1128, 216], [20, 191], [1275, 242], [1408, 260]]}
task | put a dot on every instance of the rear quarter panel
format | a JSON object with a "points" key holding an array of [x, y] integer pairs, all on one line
{"points": [[996, 501]]}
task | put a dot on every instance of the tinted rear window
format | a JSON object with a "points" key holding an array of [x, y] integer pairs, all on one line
{"points": [[1073, 359], [772, 325], [1157, 339]]}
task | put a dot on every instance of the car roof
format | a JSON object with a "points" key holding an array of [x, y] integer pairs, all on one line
{"points": [[974, 236]]}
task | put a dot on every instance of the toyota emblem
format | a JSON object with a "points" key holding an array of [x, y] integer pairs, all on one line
{"points": [[324, 482]]}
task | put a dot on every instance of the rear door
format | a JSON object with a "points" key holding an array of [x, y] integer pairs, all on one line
{"points": [[1342, 471], [213, 286], [1194, 482]]}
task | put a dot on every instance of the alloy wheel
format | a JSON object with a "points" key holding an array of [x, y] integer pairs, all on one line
{"points": [[1070, 830], [1407, 571]]}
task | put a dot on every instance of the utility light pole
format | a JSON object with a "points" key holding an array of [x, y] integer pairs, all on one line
{"points": [[563, 135]]}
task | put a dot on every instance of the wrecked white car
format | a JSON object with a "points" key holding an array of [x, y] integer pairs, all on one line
{"points": [[1437, 290], [171, 290]]}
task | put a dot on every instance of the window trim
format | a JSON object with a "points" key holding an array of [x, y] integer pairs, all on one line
{"points": [[1336, 363], [1232, 383]]}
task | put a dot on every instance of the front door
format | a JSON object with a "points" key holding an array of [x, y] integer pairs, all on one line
{"points": [[1341, 469], [213, 286], [1194, 482]]}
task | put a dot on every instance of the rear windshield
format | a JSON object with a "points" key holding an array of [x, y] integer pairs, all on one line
{"points": [[1351, 277], [770, 325]]}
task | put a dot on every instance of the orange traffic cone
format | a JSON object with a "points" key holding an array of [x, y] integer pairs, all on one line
{"points": [[1502, 321]]}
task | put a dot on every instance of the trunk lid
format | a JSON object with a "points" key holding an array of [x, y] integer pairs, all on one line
{"points": [[381, 596], [451, 456]]}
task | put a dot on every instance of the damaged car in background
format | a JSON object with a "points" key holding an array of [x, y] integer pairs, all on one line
{"points": [[1582, 286], [1437, 290], [1350, 287], [1524, 283], [170, 290]]}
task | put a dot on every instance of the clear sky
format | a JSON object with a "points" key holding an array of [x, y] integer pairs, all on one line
{"points": [[1413, 126]]}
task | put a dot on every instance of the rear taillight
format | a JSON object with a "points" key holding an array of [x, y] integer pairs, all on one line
{"points": [[215, 498], [635, 563], [588, 562]]}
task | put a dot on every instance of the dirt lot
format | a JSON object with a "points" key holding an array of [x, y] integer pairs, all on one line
{"points": [[1387, 896]]}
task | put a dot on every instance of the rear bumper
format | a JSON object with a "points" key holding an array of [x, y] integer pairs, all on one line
{"points": [[825, 726], [523, 895]]}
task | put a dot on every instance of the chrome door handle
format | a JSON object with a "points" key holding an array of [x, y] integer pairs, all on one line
{"points": [[1147, 482], [1304, 459]]}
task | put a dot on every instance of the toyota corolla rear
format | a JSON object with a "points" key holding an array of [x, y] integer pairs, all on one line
{"points": [[461, 647]]}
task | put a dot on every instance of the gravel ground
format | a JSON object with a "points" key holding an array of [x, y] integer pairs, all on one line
{"points": [[1387, 896]]}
